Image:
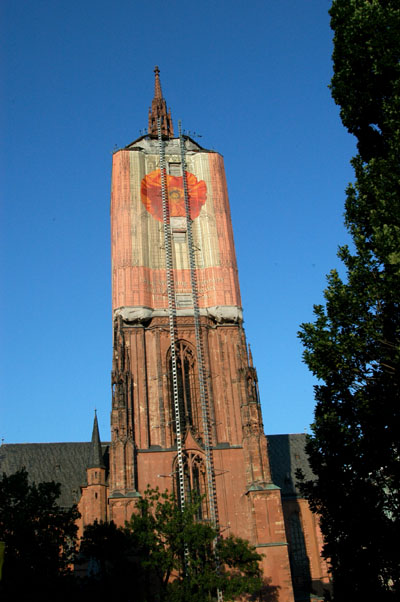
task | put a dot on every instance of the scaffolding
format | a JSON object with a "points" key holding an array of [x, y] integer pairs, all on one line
{"points": [[204, 398]]}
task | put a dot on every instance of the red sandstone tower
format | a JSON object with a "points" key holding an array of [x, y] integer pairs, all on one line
{"points": [[185, 413]]}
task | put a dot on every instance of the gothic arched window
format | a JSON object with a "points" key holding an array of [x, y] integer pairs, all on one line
{"points": [[195, 481], [187, 388]]}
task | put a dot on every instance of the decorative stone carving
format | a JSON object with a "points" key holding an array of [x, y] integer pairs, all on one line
{"points": [[221, 314]]}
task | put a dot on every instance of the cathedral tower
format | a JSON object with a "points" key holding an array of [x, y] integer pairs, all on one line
{"points": [[186, 414]]}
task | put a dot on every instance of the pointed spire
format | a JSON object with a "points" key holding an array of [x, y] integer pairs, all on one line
{"points": [[159, 110], [96, 454], [250, 358], [157, 84]]}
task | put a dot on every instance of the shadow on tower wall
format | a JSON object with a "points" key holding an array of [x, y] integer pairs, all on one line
{"points": [[268, 593], [287, 455]]}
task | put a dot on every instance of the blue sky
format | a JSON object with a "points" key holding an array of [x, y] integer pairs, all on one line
{"points": [[250, 77]]}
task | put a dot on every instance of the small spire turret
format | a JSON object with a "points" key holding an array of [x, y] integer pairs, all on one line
{"points": [[158, 110], [250, 357], [96, 454]]}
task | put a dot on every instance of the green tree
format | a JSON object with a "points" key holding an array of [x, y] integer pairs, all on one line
{"points": [[353, 346], [365, 83], [110, 557], [166, 555], [40, 538], [177, 554]]}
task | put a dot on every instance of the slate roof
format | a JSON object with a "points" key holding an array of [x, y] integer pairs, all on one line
{"points": [[286, 455], [66, 463]]}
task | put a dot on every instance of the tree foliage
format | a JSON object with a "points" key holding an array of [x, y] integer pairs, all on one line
{"points": [[167, 555], [365, 83], [178, 553], [110, 558], [163, 554], [40, 538], [353, 346]]}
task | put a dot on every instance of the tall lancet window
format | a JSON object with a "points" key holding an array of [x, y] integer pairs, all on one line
{"points": [[195, 482], [188, 390]]}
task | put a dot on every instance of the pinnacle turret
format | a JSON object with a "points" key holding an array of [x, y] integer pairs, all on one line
{"points": [[158, 110], [96, 454]]}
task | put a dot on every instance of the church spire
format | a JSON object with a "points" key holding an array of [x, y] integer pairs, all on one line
{"points": [[157, 84], [159, 110], [96, 454]]}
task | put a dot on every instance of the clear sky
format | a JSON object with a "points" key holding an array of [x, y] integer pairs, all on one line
{"points": [[252, 78]]}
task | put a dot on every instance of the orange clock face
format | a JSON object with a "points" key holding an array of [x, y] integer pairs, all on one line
{"points": [[151, 197]]}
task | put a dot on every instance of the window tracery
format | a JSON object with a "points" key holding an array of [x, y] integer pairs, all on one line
{"points": [[188, 390], [195, 481]]}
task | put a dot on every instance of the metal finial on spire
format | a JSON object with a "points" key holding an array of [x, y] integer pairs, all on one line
{"points": [[158, 110]]}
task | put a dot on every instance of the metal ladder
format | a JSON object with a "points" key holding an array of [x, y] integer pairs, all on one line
{"points": [[172, 315], [204, 398], [204, 401]]}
